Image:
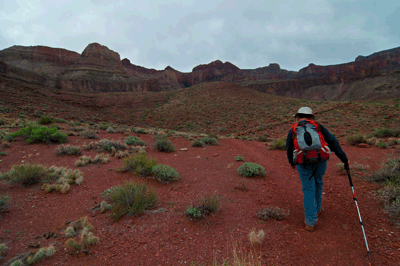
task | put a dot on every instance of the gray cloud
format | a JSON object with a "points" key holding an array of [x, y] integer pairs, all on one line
{"points": [[184, 34]]}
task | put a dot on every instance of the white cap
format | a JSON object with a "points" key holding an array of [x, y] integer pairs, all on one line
{"points": [[305, 110]]}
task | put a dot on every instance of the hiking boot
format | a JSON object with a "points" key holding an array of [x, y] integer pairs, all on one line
{"points": [[309, 228]]}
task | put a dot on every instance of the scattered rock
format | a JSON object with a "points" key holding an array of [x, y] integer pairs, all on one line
{"points": [[184, 149], [363, 145]]}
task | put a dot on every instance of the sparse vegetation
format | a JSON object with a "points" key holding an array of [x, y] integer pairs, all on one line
{"points": [[99, 158], [162, 143], [105, 145], [272, 212], [46, 120], [26, 174], [40, 255], [278, 144], [203, 206], [68, 150], [4, 200], [256, 239], [386, 132], [356, 139], [89, 134], [198, 143], [35, 133], [239, 158], [249, 169], [135, 141], [209, 141], [83, 228], [139, 164], [165, 173], [130, 199]]}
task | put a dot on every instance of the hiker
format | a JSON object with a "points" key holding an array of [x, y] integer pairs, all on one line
{"points": [[308, 147]]}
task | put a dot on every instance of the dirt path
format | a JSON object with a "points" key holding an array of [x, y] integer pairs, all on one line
{"points": [[168, 237]]}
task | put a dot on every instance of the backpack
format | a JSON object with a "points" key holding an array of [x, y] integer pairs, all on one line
{"points": [[309, 143]]}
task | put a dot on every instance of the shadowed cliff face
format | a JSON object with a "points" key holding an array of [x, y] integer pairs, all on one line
{"points": [[99, 69]]}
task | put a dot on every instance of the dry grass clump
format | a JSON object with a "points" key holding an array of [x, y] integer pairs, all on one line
{"points": [[85, 160], [256, 239], [89, 134], [105, 145], [273, 212], [67, 150], [162, 143], [278, 144], [356, 139]]}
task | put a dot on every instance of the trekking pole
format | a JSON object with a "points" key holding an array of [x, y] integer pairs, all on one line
{"points": [[359, 214]]}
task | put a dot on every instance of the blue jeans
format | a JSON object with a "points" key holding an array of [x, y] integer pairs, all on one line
{"points": [[311, 180]]}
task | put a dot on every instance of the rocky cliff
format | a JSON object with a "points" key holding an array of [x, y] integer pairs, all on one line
{"points": [[99, 69]]}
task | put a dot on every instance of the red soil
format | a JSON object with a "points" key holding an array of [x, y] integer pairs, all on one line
{"points": [[170, 238]]}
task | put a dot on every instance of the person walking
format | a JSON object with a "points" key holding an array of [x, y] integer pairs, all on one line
{"points": [[308, 147]]}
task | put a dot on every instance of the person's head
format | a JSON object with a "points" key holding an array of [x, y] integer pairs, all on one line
{"points": [[304, 112]]}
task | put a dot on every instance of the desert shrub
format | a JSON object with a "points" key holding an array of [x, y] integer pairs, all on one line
{"points": [[119, 154], [249, 169], [139, 164], [263, 138], [26, 174], [382, 145], [356, 139], [239, 158], [2, 121], [85, 160], [45, 120], [60, 120], [4, 200], [111, 130], [135, 141], [272, 212], [198, 143], [164, 173], [2, 153], [209, 141], [3, 248], [105, 145], [38, 113], [67, 150], [131, 199], [203, 206], [86, 238], [256, 239], [278, 144], [389, 172], [35, 133], [89, 134], [162, 143], [385, 132]]}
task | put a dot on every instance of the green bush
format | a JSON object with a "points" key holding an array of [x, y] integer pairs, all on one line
{"points": [[135, 141], [68, 150], [251, 169], [139, 164], [2, 153], [162, 143], [4, 200], [2, 122], [35, 133], [165, 173], [239, 158], [198, 143], [131, 199], [26, 174], [209, 141], [263, 138], [203, 206], [278, 144], [356, 139], [45, 120]]}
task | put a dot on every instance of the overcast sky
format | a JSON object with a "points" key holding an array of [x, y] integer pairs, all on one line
{"points": [[184, 34]]}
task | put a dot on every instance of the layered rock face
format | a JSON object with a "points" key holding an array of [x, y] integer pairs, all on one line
{"points": [[99, 69]]}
